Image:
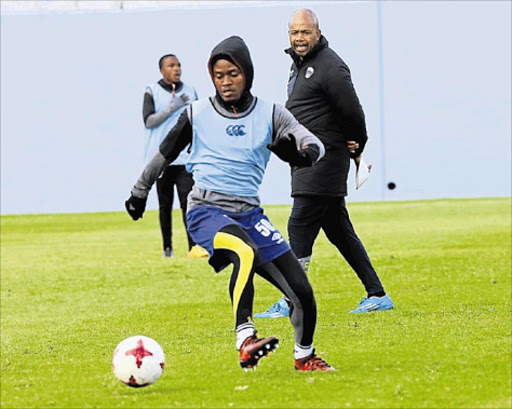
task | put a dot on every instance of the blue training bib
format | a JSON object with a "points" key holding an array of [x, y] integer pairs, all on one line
{"points": [[154, 136], [230, 155]]}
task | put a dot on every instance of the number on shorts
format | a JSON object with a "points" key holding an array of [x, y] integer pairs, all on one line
{"points": [[264, 227]]}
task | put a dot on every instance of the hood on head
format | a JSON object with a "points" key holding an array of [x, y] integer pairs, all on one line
{"points": [[237, 52]]}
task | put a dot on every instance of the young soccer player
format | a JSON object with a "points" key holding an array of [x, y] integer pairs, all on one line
{"points": [[164, 102], [231, 136]]}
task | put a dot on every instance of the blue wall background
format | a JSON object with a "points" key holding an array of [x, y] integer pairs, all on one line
{"points": [[434, 79]]}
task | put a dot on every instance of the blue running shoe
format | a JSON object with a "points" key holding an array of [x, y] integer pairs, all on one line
{"points": [[279, 309], [374, 304]]}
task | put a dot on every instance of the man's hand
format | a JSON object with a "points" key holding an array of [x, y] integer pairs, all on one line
{"points": [[177, 103], [135, 207], [286, 150], [352, 146]]}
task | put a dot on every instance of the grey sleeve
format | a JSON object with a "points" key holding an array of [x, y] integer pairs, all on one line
{"points": [[156, 119], [149, 175], [153, 119], [285, 123]]}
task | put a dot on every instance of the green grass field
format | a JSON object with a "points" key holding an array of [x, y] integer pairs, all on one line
{"points": [[74, 286]]}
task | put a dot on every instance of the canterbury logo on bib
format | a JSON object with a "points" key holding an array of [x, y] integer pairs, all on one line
{"points": [[236, 130]]}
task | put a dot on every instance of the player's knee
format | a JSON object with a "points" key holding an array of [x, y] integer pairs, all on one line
{"points": [[253, 248], [244, 247], [240, 239], [246, 251]]}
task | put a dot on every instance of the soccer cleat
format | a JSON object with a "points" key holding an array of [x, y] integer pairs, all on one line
{"points": [[168, 253], [312, 363], [279, 309], [374, 304], [253, 349], [197, 252]]}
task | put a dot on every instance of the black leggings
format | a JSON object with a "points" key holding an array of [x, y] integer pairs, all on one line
{"points": [[173, 175], [285, 273]]}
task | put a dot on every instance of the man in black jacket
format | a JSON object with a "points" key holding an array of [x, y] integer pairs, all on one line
{"points": [[322, 98]]}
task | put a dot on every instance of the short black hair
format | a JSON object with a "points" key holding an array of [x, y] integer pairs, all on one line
{"points": [[162, 58]]}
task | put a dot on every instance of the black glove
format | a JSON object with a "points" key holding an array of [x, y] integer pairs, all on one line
{"points": [[135, 207], [286, 150]]}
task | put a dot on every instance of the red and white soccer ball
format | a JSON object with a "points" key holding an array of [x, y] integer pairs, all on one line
{"points": [[138, 361]]}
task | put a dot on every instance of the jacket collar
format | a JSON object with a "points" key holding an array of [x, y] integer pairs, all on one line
{"points": [[323, 43]]}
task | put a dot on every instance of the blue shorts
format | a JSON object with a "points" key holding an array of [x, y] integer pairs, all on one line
{"points": [[203, 223]]}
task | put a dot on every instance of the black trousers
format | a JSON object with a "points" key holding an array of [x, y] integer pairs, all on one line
{"points": [[175, 175], [312, 213]]}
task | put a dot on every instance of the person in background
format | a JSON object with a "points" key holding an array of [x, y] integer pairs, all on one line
{"points": [[232, 135], [164, 101], [323, 99]]}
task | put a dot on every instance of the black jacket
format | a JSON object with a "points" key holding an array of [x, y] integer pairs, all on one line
{"points": [[322, 98]]}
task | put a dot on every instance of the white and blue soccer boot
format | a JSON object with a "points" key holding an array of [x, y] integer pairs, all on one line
{"points": [[374, 304], [279, 309]]}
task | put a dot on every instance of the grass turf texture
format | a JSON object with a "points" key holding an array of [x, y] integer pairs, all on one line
{"points": [[74, 286]]}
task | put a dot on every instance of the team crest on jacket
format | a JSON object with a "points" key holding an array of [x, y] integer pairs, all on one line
{"points": [[309, 72]]}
